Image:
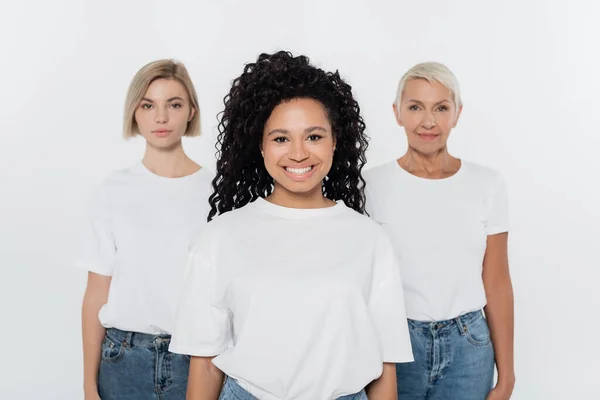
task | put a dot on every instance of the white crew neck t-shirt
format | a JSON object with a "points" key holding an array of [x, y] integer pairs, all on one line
{"points": [[439, 229], [139, 229], [296, 303]]}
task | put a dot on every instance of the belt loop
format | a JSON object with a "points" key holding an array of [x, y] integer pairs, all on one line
{"points": [[462, 328], [128, 338]]}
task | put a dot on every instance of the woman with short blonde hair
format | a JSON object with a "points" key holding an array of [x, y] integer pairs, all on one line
{"points": [[448, 221], [141, 221]]}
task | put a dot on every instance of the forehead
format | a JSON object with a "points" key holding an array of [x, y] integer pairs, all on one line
{"points": [[298, 113], [166, 88], [425, 91]]}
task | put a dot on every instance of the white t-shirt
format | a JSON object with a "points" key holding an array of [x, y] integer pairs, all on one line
{"points": [[139, 230], [439, 229], [296, 303]]}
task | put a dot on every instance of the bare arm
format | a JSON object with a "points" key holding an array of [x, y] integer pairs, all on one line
{"points": [[500, 312], [384, 387], [96, 295], [205, 379]]}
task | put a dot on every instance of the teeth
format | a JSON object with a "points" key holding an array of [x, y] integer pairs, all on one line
{"points": [[298, 171]]}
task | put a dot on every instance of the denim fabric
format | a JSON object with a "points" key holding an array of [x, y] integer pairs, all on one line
{"points": [[454, 360], [138, 366], [232, 391]]}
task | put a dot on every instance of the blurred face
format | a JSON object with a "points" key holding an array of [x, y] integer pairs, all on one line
{"points": [[164, 112], [428, 113], [298, 146]]}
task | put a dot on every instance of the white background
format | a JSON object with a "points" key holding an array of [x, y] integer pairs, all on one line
{"points": [[530, 81]]}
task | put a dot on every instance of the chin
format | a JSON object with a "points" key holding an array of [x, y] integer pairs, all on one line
{"points": [[300, 187], [166, 144]]}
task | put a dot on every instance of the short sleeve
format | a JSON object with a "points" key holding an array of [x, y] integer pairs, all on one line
{"points": [[96, 245], [497, 208], [202, 327], [386, 304]]}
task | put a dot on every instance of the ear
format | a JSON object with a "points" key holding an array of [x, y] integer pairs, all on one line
{"points": [[192, 113], [457, 116], [397, 115]]}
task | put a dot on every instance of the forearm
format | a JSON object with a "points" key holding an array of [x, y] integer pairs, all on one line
{"points": [[205, 380], [93, 335], [500, 315], [384, 388]]}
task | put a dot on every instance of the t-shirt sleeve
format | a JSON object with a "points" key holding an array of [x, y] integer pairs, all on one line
{"points": [[497, 207], [96, 245], [202, 327], [386, 304]]}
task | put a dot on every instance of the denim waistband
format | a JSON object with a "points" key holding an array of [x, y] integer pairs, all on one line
{"points": [[136, 338], [240, 393], [460, 322]]}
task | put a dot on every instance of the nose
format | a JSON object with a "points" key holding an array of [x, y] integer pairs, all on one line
{"points": [[428, 121], [298, 152], [162, 116]]}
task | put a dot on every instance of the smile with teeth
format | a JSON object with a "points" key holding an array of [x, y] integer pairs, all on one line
{"points": [[299, 171]]}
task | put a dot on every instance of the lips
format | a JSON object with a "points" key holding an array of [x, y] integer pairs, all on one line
{"points": [[300, 174], [162, 132], [428, 136]]}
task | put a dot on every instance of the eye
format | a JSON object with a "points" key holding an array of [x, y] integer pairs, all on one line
{"points": [[413, 107], [280, 139], [146, 106], [176, 105], [442, 108], [314, 137]]}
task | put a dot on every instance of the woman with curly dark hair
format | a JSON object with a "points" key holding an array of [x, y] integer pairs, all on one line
{"points": [[291, 292]]}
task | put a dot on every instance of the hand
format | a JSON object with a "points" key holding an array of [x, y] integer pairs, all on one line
{"points": [[502, 391]]}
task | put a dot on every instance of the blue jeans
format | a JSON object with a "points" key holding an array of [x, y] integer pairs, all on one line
{"points": [[232, 391], [138, 366], [454, 360]]}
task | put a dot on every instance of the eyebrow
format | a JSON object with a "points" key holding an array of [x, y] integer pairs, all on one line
{"points": [[310, 129], [420, 102], [168, 100]]}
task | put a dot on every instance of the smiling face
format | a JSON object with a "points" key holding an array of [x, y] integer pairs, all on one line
{"points": [[163, 113], [298, 147], [428, 113]]}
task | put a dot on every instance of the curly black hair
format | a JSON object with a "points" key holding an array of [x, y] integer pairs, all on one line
{"points": [[275, 78]]}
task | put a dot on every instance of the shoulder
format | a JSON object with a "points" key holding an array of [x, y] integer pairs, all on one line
{"points": [[483, 176], [380, 173], [204, 176], [214, 234], [377, 179], [358, 223], [120, 178]]}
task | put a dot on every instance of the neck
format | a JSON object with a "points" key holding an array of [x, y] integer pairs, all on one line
{"points": [[439, 164], [169, 163], [312, 199]]}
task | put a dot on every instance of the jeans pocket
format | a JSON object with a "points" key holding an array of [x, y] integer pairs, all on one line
{"points": [[478, 332], [112, 350]]}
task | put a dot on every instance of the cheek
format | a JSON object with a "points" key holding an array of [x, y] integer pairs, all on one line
{"points": [[325, 153], [411, 123], [142, 121], [272, 154], [446, 124]]}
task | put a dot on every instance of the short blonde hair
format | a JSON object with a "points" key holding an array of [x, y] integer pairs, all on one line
{"points": [[432, 72], [161, 69]]}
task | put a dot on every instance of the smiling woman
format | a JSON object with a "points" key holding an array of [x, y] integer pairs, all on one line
{"points": [[298, 151], [297, 294], [449, 220]]}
